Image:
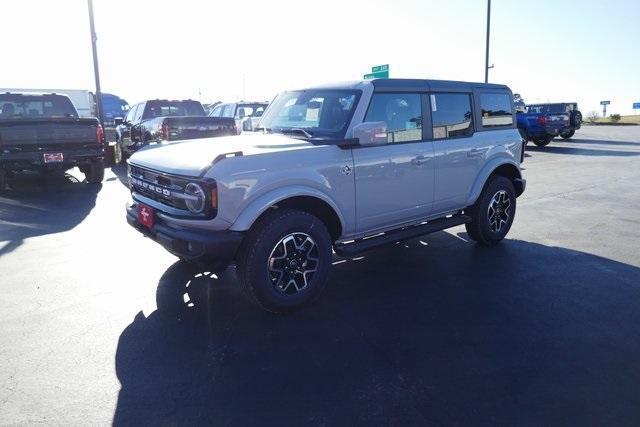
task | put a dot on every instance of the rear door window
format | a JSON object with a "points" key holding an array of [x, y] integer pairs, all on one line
{"points": [[496, 109], [451, 115], [402, 112]]}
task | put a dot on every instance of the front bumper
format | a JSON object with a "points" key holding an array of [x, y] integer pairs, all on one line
{"points": [[215, 249]]}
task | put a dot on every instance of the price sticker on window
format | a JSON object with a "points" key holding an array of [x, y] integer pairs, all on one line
{"points": [[433, 103]]}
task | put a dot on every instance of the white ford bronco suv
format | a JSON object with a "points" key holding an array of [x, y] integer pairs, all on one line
{"points": [[341, 168]]}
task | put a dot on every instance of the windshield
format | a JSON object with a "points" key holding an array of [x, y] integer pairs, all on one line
{"points": [[319, 112], [17, 106]]}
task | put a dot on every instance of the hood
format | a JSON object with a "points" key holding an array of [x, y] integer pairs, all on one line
{"points": [[192, 157]]}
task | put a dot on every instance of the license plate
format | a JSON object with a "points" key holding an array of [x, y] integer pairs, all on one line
{"points": [[53, 157], [145, 215]]}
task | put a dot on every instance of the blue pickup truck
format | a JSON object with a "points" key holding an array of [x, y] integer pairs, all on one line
{"points": [[540, 123]]}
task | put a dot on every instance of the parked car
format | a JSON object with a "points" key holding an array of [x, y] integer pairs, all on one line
{"points": [[162, 120], [246, 114], [43, 132], [113, 107], [347, 167], [540, 123]]}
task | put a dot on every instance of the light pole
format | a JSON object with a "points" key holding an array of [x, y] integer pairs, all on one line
{"points": [[94, 38], [486, 58]]}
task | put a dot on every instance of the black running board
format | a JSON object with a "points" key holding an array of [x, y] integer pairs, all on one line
{"points": [[361, 245]]}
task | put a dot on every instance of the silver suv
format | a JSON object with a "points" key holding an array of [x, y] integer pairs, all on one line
{"points": [[341, 168]]}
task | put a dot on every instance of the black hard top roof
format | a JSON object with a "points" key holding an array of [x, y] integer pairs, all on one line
{"points": [[425, 85]]}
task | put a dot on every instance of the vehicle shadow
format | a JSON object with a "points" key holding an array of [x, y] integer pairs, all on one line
{"points": [[583, 151], [38, 204], [599, 142], [434, 331]]}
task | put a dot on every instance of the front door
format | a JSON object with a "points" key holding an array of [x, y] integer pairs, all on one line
{"points": [[394, 182]]}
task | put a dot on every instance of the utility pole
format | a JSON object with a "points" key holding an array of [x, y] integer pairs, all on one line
{"points": [[94, 38], [486, 60]]}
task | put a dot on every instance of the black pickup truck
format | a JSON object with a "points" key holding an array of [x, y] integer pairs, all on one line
{"points": [[162, 120], [43, 132]]}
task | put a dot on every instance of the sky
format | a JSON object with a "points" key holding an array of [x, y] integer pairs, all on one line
{"points": [[546, 50]]}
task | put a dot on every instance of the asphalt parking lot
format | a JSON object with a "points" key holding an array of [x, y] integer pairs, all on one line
{"points": [[101, 325]]}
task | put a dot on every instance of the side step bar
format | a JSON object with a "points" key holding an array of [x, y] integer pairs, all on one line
{"points": [[361, 245]]}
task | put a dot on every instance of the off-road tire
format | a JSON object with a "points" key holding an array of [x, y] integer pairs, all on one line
{"points": [[575, 119], [479, 229], [258, 248], [567, 135], [94, 171], [542, 142]]}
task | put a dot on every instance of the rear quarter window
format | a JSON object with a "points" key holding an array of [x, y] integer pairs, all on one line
{"points": [[496, 110]]}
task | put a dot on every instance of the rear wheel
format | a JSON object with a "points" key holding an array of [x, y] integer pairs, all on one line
{"points": [[542, 142], [568, 134], [493, 212], [94, 171], [285, 260]]}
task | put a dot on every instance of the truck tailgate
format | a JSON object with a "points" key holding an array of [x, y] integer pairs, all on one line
{"points": [[47, 134]]}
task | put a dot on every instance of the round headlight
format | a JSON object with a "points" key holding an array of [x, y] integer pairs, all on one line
{"points": [[195, 203]]}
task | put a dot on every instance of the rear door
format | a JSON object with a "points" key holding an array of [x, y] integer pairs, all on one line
{"points": [[459, 150], [395, 181]]}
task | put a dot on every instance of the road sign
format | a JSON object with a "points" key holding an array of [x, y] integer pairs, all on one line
{"points": [[605, 102], [377, 75], [378, 72], [636, 105], [378, 68]]}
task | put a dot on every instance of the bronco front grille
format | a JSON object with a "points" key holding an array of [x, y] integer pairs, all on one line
{"points": [[160, 187]]}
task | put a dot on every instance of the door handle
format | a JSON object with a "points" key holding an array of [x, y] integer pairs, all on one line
{"points": [[475, 152], [420, 160]]}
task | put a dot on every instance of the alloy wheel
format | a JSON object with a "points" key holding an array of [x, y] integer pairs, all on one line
{"points": [[292, 263], [499, 211]]}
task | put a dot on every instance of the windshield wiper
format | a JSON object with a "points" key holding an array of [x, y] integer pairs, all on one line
{"points": [[297, 130]]}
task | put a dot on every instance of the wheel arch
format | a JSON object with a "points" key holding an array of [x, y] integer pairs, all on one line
{"points": [[507, 169], [311, 201]]}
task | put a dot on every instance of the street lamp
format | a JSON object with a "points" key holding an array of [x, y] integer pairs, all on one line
{"points": [[486, 59], [94, 38]]}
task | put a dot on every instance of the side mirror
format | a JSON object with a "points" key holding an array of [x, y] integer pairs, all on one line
{"points": [[118, 121], [371, 133]]}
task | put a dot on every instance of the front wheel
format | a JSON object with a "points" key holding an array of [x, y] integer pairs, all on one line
{"points": [[493, 212], [567, 134], [285, 259]]}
